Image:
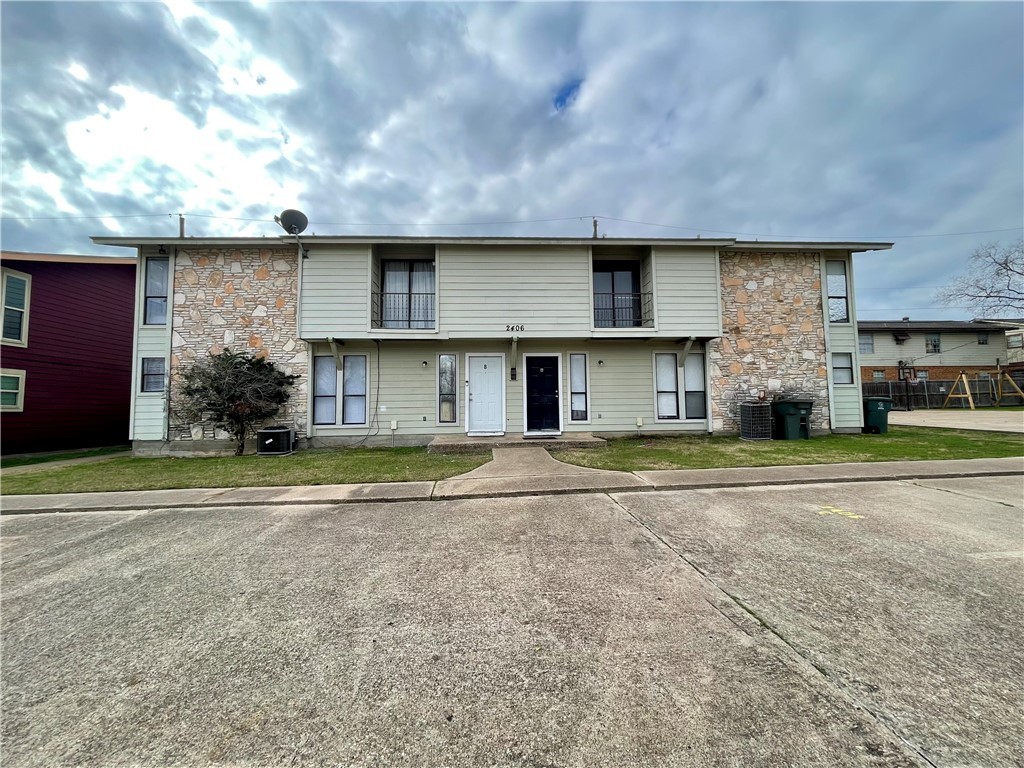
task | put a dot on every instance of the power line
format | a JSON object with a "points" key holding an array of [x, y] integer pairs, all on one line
{"points": [[59, 218], [807, 237], [523, 221]]}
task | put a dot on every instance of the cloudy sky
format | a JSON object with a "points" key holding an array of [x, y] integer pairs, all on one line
{"points": [[807, 120]]}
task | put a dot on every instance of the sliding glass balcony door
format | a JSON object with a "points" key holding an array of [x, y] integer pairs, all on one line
{"points": [[407, 300]]}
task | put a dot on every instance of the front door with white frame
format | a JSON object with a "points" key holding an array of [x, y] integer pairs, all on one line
{"points": [[484, 397]]}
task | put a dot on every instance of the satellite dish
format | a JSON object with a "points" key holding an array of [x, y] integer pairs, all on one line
{"points": [[293, 222]]}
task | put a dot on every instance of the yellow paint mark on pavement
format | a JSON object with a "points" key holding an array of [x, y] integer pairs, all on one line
{"points": [[830, 510]]}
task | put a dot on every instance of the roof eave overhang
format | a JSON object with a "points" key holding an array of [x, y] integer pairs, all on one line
{"points": [[313, 240], [761, 245]]}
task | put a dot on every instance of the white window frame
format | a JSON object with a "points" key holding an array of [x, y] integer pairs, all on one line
{"points": [[928, 343], [680, 407], [167, 291], [20, 375], [1014, 341], [845, 296], [983, 338], [877, 376], [313, 393], [922, 374], [340, 417], [437, 392], [568, 387], [23, 341], [870, 338], [142, 377], [682, 411], [853, 378]]}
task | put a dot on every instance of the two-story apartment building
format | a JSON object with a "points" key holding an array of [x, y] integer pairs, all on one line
{"points": [[399, 339], [931, 349]]}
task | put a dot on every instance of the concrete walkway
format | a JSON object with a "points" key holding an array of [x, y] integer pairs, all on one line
{"points": [[515, 472], [988, 419], [45, 465]]}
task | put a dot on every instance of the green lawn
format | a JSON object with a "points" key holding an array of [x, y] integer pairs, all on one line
{"points": [[42, 458], [314, 467], [704, 452], [369, 465]]}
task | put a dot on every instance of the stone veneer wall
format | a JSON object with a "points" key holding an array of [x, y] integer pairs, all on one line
{"points": [[244, 300], [773, 335]]}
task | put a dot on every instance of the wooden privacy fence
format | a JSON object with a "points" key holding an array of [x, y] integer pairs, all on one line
{"points": [[932, 394]]}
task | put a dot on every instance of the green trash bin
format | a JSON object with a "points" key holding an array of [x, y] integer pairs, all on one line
{"points": [[791, 419], [876, 415]]}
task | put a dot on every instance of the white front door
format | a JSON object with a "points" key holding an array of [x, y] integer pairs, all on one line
{"points": [[485, 396]]}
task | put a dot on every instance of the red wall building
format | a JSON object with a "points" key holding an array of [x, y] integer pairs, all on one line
{"points": [[65, 352]]}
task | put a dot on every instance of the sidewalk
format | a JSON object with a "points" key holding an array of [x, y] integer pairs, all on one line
{"points": [[515, 472], [985, 419]]}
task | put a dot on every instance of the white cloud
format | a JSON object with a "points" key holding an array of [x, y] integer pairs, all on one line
{"points": [[788, 119]]}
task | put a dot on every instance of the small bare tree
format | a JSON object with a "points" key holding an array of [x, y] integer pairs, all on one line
{"points": [[234, 391], [993, 284]]}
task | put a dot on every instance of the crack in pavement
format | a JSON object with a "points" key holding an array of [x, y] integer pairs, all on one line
{"points": [[799, 656], [919, 484]]}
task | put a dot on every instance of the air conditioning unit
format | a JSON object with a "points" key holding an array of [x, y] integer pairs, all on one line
{"points": [[275, 441]]}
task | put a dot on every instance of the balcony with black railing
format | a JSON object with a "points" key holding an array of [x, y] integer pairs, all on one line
{"points": [[623, 310], [416, 311]]}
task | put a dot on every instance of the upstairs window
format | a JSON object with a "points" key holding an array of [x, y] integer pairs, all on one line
{"points": [[155, 311], [617, 298], [1015, 342], [983, 339], [866, 343], [16, 289], [838, 292], [407, 298], [933, 343]]}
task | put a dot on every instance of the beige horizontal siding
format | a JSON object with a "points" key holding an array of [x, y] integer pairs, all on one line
{"points": [[957, 349], [688, 291], [149, 408], [622, 390], [485, 289], [335, 292]]}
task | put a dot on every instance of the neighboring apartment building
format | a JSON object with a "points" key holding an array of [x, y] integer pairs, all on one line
{"points": [[931, 349], [66, 351], [1014, 330], [402, 339]]}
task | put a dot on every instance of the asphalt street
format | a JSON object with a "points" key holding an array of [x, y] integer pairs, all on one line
{"points": [[832, 624]]}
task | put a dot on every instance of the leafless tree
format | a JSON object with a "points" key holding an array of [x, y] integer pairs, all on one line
{"points": [[993, 284]]}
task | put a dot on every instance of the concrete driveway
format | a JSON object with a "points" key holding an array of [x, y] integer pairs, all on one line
{"points": [[859, 624], [988, 419]]}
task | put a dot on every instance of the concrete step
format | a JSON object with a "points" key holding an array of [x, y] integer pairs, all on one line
{"points": [[466, 444]]}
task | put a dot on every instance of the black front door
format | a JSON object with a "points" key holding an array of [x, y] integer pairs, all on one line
{"points": [[542, 394]]}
